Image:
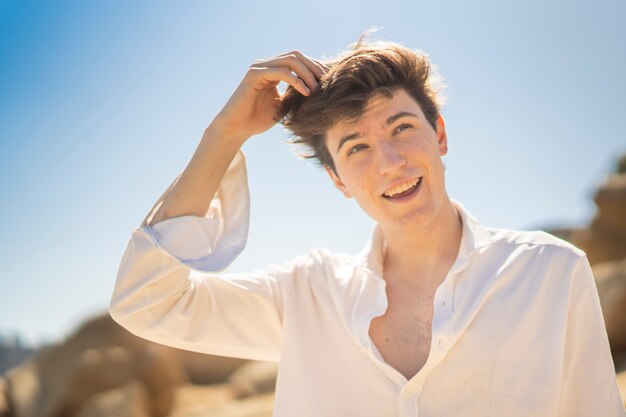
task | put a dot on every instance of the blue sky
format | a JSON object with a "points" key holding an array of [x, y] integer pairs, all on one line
{"points": [[103, 103]]}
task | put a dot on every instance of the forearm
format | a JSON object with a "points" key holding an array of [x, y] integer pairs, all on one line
{"points": [[196, 187], [252, 109]]}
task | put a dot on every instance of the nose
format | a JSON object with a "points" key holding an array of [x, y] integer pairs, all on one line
{"points": [[388, 158]]}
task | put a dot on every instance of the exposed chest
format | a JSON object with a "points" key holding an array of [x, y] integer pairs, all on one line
{"points": [[403, 334]]}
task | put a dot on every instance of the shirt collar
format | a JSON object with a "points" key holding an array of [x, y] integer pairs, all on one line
{"points": [[474, 237]]}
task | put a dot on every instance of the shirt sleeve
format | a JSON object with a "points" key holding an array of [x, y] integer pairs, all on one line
{"points": [[589, 382], [169, 289]]}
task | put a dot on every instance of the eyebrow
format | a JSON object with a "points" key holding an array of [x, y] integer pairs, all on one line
{"points": [[389, 121]]}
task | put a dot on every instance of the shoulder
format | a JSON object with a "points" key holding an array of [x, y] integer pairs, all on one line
{"points": [[536, 239], [532, 262], [533, 247]]}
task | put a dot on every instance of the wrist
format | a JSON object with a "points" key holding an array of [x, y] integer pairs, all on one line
{"points": [[230, 136], [234, 134]]}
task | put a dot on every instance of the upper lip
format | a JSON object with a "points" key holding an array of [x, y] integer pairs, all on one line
{"points": [[400, 182]]}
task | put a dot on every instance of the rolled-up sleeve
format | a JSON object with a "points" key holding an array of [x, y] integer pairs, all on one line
{"points": [[169, 288], [589, 383]]}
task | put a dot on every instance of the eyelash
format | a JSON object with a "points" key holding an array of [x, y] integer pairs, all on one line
{"points": [[403, 125], [357, 148]]}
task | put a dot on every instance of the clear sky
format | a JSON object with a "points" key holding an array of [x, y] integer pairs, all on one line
{"points": [[103, 103]]}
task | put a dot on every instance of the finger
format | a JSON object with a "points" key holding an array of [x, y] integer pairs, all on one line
{"points": [[325, 67], [274, 75], [316, 67], [295, 64]]}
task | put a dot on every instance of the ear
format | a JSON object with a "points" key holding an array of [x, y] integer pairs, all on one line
{"points": [[338, 183], [442, 136]]}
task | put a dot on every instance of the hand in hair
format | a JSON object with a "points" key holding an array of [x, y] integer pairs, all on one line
{"points": [[253, 107]]}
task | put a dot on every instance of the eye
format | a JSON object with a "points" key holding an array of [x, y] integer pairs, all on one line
{"points": [[356, 148], [401, 127]]}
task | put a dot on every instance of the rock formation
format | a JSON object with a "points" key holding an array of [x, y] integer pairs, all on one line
{"points": [[102, 369]]}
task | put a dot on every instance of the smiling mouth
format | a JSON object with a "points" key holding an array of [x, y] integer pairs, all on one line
{"points": [[403, 189]]}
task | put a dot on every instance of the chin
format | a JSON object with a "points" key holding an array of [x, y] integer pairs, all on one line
{"points": [[420, 218]]}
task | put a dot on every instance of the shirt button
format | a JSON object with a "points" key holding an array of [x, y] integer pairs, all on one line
{"points": [[444, 303], [363, 350], [409, 393]]}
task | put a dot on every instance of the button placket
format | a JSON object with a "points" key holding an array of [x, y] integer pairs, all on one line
{"points": [[407, 406], [442, 321]]}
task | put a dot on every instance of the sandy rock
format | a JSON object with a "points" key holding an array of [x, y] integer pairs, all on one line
{"points": [[599, 245], [129, 400], [99, 356], [610, 198], [219, 401], [621, 384], [256, 406], [100, 369], [23, 389], [254, 378], [4, 400], [611, 282], [191, 398], [605, 238], [208, 369]]}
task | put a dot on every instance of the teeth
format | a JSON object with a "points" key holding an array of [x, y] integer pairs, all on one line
{"points": [[401, 188]]}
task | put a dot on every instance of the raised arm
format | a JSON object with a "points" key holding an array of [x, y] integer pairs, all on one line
{"points": [[250, 110], [200, 225]]}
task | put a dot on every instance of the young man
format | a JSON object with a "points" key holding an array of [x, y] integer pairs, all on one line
{"points": [[438, 316]]}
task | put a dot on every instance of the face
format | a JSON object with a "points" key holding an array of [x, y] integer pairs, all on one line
{"points": [[389, 160]]}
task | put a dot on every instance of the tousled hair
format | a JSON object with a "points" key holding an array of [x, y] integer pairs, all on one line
{"points": [[368, 69]]}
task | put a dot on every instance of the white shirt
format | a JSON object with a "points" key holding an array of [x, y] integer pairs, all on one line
{"points": [[517, 327]]}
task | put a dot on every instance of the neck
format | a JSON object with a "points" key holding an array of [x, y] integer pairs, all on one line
{"points": [[425, 251]]}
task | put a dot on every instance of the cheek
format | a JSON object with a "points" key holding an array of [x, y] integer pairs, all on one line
{"points": [[353, 185], [427, 151], [362, 187], [424, 145], [351, 173]]}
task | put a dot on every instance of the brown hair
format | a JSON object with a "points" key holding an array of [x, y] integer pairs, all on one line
{"points": [[369, 68]]}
